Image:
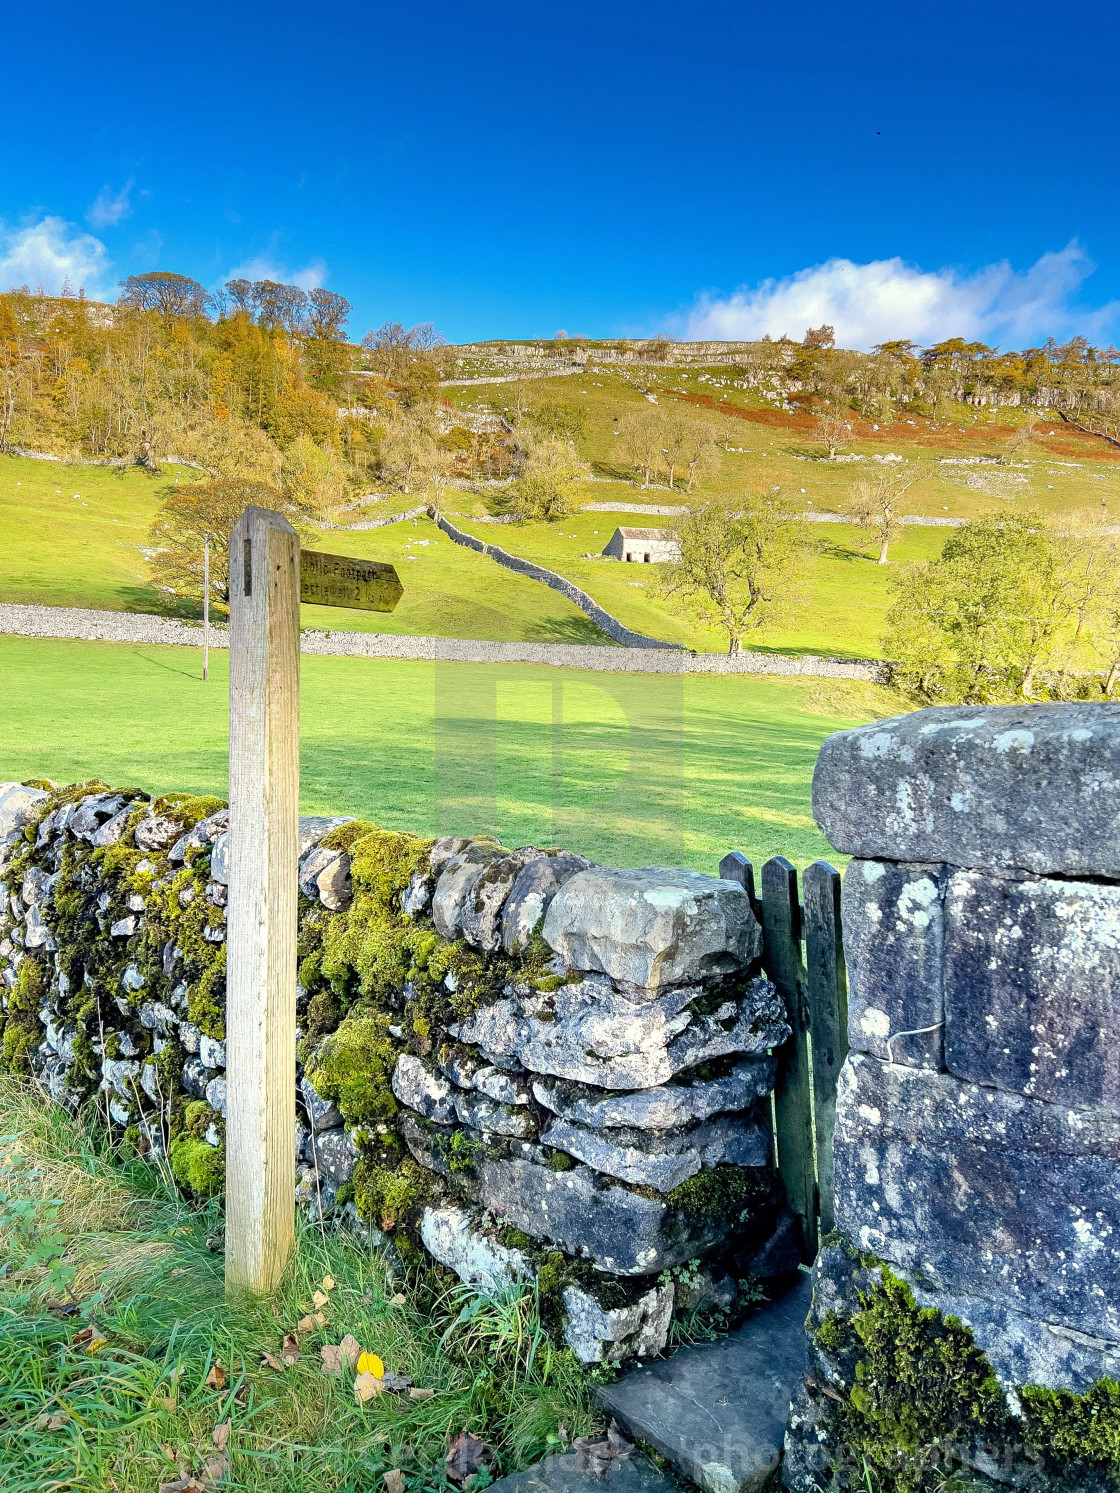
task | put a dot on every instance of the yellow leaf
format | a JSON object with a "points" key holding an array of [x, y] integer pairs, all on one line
{"points": [[95, 1345], [369, 1363]]}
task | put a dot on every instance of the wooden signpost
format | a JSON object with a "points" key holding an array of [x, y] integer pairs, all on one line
{"points": [[268, 577]]}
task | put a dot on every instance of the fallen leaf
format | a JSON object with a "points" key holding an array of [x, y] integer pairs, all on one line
{"points": [[367, 1386], [165, 1402], [217, 1468], [220, 1434], [268, 1362], [311, 1324], [596, 1457], [394, 1481], [369, 1363], [328, 1282], [466, 1454], [216, 1378], [290, 1351], [64, 1308], [421, 1394], [82, 1337], [95, 1345], [53, 1420], [396, 1382], [351, 1350], [398, 1300], [183, 1485], [319, 1300]]}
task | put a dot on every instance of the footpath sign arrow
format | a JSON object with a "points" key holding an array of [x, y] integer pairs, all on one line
{"points": [[268, 577], [338, 581]]}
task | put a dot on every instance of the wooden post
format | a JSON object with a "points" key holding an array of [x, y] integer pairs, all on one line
{"points": [[793, 1104], [261, 925], [205, 607], [827, 1003], [736, 867]]}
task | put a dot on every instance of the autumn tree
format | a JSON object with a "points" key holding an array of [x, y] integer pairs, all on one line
{"points": [[314, 478], [405, 357], [875, 503], [674, 439], [738, 567], [189, 513], [168, 294], [550, 474], [699, 451]]}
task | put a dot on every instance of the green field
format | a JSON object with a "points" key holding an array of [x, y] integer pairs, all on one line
{"points": [[75, 535], [643, 769]]}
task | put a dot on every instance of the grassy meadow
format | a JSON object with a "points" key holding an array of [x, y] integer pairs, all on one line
{"points": [[641, 769], [76, 535], [122, 1367]]}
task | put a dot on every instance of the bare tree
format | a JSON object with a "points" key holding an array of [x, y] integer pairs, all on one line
{"points": [[875, 501], [674, 436], [642, 442], [830, 427]]}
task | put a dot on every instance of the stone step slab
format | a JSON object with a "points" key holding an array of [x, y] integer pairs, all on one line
{"points": [[653, 927], [997, 787], [562, 1474], [718, 1411]]}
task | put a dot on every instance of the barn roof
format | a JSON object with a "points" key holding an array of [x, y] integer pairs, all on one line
{"points": [[666, 534]]}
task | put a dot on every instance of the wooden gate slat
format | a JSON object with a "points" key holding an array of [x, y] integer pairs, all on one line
{"points": [[793, 1105], [826, 1000], [736, 867]]}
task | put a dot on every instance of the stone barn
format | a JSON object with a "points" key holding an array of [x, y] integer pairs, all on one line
{"points": [[643, 546]]}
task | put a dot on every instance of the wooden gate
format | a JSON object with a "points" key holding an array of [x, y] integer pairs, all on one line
{"points": [[803, 954]]}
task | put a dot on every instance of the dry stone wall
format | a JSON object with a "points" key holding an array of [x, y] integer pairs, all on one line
{"points": [[977, 1143], [528, 1065]]}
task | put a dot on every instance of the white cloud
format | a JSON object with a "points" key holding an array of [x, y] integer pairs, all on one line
{"points": [[263, 268], [51, 251], [876, 302], [110, 208]]}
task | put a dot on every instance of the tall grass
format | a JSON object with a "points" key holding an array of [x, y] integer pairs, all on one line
{"points": [[112, 1319]]}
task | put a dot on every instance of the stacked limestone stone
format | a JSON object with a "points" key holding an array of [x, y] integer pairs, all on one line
{"points": [[601, 1112], [977, 1144]]}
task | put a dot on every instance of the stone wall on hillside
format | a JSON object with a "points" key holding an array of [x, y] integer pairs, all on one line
{"points": [[529, 1065], [969, 1310]]}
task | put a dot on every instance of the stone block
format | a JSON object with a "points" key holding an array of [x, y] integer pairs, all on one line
{"points": [[593, 1033], [313, 828], [481, 920], [717, 1411], [598, 1334], [457, 882], [893, 947], [336, 1155], [620, 1231], [157, 832], [662, 1107], [663, 1159], [532, 893], [17, 807], [1009, 787], [653, 927], [1032, 987], [483, 1113], [570, 1473], [428, 1093], [451, 1236], [322, 1113], [324, 876], [981, 1193]]}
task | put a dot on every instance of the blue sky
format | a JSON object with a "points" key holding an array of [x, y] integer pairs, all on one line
{"points": [[611, 169]]}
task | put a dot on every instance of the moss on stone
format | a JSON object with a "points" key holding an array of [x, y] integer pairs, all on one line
{"points": [[198, 1167], [354, 1066], [384, 1195], [1083, 1429], [721, 1191], [188, 809], [22, 1031]]}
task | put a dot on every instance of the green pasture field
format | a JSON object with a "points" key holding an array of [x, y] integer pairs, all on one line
{"points": [[74, 536], [630, 769]]}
